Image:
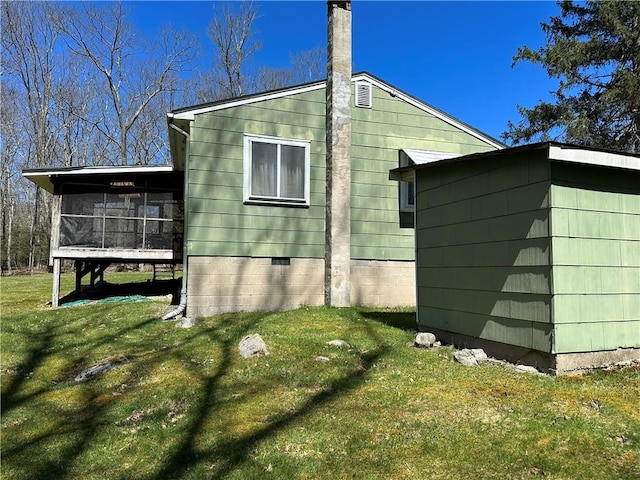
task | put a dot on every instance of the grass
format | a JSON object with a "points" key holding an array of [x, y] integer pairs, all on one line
{"points": [[184, 404]]}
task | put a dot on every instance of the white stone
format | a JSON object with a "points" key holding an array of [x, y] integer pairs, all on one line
{"points": [[339, 344], [470, 356], [186, 322], [252, 346], [425, 340], [465, 357], [479, 354], [526, 369]]}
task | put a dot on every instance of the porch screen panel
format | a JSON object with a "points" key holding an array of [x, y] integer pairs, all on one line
{"points": [[133, 220], [81, 231], [81, 222]]}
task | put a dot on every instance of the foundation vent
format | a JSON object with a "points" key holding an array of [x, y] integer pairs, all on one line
{"points": [[363, 94]]}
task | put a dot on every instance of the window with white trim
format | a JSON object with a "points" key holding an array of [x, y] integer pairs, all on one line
{"points": [[276, 170]]}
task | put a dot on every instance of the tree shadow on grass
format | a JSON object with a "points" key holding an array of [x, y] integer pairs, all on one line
{"points": [[72, 427], [40, 344], [71, 431], [230, 453]]}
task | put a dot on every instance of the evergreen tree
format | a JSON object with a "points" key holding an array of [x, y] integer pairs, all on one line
{"points": [[593, 49]]}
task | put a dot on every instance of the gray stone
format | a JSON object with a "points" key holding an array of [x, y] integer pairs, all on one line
{"points": [[425, 340], [470, 356], [339, 344], [465, 357], [526, 369], [320, 358], [92, 372], [253, 346], [479, 354], [186, 322]]}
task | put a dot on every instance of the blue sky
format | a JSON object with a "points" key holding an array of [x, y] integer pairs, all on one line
{"points": [[453, 55]]}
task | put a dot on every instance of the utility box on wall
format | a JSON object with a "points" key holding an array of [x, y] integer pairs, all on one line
{"points": [[532, 253]]}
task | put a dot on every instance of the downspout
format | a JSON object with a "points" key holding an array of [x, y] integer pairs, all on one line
{"points": [[182, 307]]}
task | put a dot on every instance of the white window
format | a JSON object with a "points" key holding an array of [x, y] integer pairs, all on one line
{"points": [[276, 170]]}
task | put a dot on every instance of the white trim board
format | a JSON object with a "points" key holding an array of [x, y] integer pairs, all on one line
{"points": [[593, 157]]}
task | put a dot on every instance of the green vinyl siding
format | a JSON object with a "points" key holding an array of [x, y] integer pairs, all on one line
{"points": [[595, 228], [508, 253], [506, 279], [589, 337], [377, 135], [221, 224], [518, 249], [483, 250], [523, 333]]}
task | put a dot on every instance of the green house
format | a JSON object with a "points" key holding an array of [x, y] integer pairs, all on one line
{"points": [[255, 191], [531, 252]]}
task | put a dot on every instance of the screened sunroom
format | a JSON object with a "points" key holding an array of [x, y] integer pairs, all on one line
{"points": [[134, 220], [105, 215]]}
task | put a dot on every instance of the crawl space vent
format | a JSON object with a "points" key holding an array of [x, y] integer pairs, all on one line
{"points": [[363, 94]]}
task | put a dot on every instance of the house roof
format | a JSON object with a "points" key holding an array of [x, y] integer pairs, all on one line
{"points": [[179, 116], [556, 152], [98, 178]]}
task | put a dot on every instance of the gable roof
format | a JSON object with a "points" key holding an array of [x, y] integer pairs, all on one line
{"points": [[188, 113]]}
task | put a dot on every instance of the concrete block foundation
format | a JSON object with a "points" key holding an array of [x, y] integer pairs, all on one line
{"points": [[233, 284]]}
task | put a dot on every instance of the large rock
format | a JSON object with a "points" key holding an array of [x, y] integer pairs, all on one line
{"points": [[425, 340], [253, 346], [470, 356]]}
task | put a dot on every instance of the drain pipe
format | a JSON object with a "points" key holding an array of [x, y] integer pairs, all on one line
{"points": [[182, 307]]}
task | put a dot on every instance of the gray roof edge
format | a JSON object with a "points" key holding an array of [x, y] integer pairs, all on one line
{"points": [[42, 176], [556, 151]]}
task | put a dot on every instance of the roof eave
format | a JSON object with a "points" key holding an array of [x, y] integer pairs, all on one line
{"points": [[555, 152], [43, 176]]}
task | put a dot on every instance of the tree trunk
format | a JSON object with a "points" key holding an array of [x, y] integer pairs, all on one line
{"points": [[32, 231]]}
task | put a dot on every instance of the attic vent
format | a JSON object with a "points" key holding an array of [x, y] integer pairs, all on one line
{"points": [[363, 94]]}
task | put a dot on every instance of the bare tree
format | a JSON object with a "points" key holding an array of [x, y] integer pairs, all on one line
{"points": [[10, 141], [304, 67], [135, 74], [74, 96], [231, 31], [29, 41]]}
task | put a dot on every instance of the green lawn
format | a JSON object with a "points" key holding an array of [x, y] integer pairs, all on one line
{"points": [[184, 404]]}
